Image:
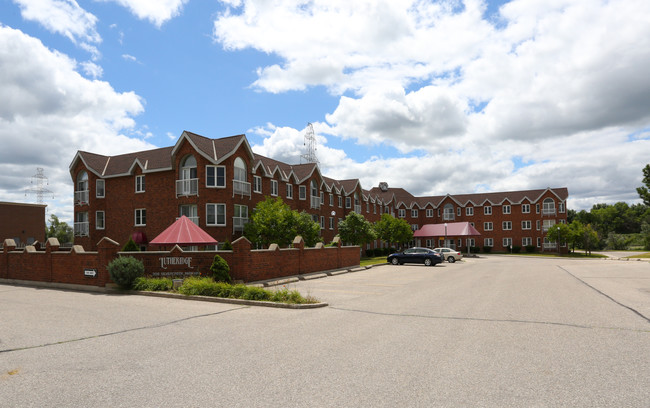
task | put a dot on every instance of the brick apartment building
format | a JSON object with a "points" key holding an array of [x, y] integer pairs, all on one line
{"points": [[24, 223], [218, 182]]}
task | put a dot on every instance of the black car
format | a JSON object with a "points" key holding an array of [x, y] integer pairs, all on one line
{"points": [[416, 255]]}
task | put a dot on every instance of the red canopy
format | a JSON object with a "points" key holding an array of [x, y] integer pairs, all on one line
{"points": [[454, 229], [183, 232]]}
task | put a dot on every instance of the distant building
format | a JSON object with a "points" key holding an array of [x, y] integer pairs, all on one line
{"points": [[218, 182], [24, 223]]}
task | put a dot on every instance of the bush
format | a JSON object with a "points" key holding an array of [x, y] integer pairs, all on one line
{"points": [[152, 284], [207, 287], [475, 249], [516, 249], [530, 249], [255, 293], [124, 270], [220, 270], [130, 246], [487, 249], [370, 253], [227, 246]]}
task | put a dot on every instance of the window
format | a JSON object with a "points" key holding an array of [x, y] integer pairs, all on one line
{"points": [[140, 217], [548, 206], [488, 242], [190, 211], [257, 184], [414, 213], [547, 224], [470, 242], [99, 220], [240, 182], [429, 212], [240, 218], [401, 213], [302, 192], [81, 192], [448, 212], [487, 210], [331, 200], [539, 242], [458, 210], [274, 187], [415, 227], [506, 209], [290, 191], [139, 184], [526, 225], [469, 211], [215, 176], [215, 214], [506, 225], [100, 188], [507, 242], [322, 222], [348, 202], [331, 223], [340, 202], [537, 224], [537, 208], [525, 208], [81, 224], [526, 241], [487, 226], [315, 195], [561, 208], [374, 208], [188, 183]]}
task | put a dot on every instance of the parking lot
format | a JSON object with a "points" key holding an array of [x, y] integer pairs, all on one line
{"points": [[493, 331]]}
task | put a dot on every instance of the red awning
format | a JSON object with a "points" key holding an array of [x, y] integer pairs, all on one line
{"points": [[183, 232], [454, 229]]}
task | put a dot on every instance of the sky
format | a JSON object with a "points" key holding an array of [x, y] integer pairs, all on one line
{"points": [[437, 97]]}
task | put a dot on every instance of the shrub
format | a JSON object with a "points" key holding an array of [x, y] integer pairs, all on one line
{"points": [[370, 253], [475, 249], [227, 246], [255, 293], [220, 270], [124, 270], [530, 249], [152, 284], [487, 249], [130, 246], [516, 249]]}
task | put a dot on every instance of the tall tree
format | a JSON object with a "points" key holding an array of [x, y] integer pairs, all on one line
{"points": [[274, 222], [393, 230], [355, 229], [644, 191], [59, 230]]}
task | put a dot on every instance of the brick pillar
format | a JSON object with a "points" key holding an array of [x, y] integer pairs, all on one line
{"points": [[8, 246], [107, 250], [240, 269], [337, 243], [51, 245], [299, 243]]}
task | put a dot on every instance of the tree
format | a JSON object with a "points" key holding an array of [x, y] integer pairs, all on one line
{"points": [[355, 229], [589, 239], [644, 191], [559, 233], [274, 222], [393, 230], [59, 230]]}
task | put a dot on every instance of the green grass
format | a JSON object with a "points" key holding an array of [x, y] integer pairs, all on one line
{"points": [[375, 260], [569, 255], [208, 287], [644, 256]]}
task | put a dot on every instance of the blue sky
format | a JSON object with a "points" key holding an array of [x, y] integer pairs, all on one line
{"points": [[434, 96]]}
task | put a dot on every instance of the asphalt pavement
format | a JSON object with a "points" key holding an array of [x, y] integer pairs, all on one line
{"points": [[492, 332]]}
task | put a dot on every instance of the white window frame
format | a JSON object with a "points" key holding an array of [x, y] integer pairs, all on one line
{"points": [[257, 184], [219, 180], [215, 207], [429, 213], [487, 210], [348, 202], [274, 188], [401, 213], [140, 186], [488, 226], [331, 200], [331, 223], [414, 213], [290, 191], [526, 225], [506, 242], [140, 216], [102, 189], [340, 201], [489, 242], [506, 225], [469, 211], [103, 217], [525, 208], [507, 209], [302, 192], [458, 211], [526, 241]]}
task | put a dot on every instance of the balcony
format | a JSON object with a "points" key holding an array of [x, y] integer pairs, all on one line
{"points": [[241, 188], [81, 197], [315, 202], [187, 187], [357, 209], [548, 211], [238, 224], [81, 229]]}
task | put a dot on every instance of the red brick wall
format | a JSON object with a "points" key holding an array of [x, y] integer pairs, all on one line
{"points": [[245, 264]]}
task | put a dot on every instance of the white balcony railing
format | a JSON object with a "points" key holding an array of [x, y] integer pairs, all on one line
{"points": [[81, 229], [187, 187], [238, 224], [550, 245], [315, 202], [548, 211], [357, 209], [81, 197], [242, 188]]}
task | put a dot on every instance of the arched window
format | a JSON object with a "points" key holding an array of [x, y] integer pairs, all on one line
{"points": [[81, 188], [240, 185], [548, 206], [448, 212], [240, 170], [189, 182], [188, 168], [357, 204], [314, 194]]}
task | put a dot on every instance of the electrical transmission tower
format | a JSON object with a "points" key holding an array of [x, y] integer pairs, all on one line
{"points": [[39, 181], [310, 146]]}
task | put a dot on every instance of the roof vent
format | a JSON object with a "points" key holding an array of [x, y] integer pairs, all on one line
{"points": [[383, 186]]}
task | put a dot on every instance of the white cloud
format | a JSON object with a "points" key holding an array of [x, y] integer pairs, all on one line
{"points": [[64, 17], [92, 70], [156, 11], [49, 111]]}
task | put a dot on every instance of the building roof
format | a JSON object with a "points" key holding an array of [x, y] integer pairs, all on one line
{"points": [[450, 229], [183, 232]]}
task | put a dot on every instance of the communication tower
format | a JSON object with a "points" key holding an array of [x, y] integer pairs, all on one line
{"points": [[310, 146], [38, 183]]}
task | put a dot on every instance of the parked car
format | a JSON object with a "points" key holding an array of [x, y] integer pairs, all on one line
{"points": [[450, 255], [415, 255]]}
